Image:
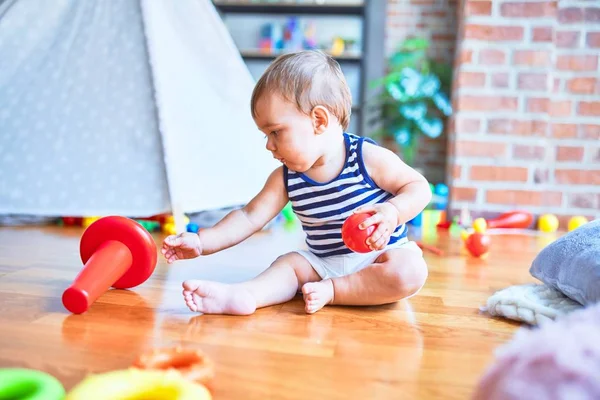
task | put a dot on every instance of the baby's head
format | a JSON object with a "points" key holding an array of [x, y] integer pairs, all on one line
{"points": [[300, 101]]}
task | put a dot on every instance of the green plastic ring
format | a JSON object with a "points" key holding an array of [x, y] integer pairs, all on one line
{"points": [[28, 384]]}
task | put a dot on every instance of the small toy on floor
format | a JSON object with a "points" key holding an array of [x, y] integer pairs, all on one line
{"points": [[117, 252], [29, 384]]}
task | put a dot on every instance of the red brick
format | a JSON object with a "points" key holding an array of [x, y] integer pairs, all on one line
{"points": [[531, 57], [492, 57], [538, 105], [463, 194], [592, 14], [487, 103], [564, 130], [471, 79], [582, 200], [541, 175], [569, 153], [524, 197], [589, 131], [435, 13], [567, 39], [498, 174], [582, 85], [466, 56], [542, 34], [437, 37], [456, 171], [593, 39], [478, 8], [494, 33], [467, 125], [561, 108], [570, 15], [577, 176], [589, 108], [480, 149], [527, 152], [500, 80], [531, 9], [532, 81], [595, 154], [516, 127], [577, 63], [556, 85]]}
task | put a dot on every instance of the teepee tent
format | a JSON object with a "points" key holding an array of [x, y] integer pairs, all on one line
{"points": [[130, 107]]}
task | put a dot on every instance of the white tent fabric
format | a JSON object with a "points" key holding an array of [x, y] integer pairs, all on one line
{"points": [[130, 107]]}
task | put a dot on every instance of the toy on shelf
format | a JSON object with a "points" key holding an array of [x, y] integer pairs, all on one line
{"points": [[193, 365], [354, 237], [138, 384], [192, 227], [548, 223], [576, 222], [117, 252], [511, 219], [434, 214], [28, 384]]}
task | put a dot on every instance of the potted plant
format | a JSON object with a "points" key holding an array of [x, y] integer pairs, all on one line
{"points": [[415, 96]]}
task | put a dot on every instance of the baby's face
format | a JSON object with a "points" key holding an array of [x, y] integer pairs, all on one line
{"points": [[290, 134]]}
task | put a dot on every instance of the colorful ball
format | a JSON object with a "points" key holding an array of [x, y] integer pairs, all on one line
{"points": [[576, 222], [548, 223], [354, 237], [480, 225], [192, 227], [478, 244]]}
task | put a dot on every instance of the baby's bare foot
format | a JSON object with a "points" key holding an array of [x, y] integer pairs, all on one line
{"points": [[317, 295], [218, 298]]}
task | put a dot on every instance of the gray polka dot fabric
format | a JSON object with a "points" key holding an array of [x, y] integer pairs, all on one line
{"points": [[78, 124]]}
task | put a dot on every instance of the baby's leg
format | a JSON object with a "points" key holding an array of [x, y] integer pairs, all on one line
{"points": [[395, 274], [277, 284]]}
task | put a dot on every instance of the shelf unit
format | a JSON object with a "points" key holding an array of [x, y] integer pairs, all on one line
{"points": [[367, 62]]}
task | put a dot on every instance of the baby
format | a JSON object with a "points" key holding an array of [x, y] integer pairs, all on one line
{"points": [[302, 104]]}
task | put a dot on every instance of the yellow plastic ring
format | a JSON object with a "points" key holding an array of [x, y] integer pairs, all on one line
{"points": [[138, 384]]}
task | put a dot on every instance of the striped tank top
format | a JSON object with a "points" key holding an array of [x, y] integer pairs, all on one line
{"points": [[322, 208]]}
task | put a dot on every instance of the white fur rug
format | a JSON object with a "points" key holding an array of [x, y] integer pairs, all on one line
{"points": [[531, 303]]}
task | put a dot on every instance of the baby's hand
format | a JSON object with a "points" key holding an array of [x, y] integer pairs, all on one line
{"points": [[385, 215], [180, 247]]}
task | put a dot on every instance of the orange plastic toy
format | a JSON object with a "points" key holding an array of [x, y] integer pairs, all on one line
{"points": [[354, 237], [512, 219], [117, 252], [192, 364]]}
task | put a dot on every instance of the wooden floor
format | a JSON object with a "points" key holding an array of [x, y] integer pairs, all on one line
{"points": [[435, 345]]}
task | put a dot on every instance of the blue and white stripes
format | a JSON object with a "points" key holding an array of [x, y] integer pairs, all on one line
{"points": [[323, 207]]}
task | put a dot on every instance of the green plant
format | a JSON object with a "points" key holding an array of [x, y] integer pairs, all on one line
{"points": [[415, 96]]}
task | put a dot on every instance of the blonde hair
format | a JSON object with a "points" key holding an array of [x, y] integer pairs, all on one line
{"points": [[307, 78]]}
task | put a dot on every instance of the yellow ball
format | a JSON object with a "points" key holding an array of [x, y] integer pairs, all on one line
{"points": [[169, 228], [480, 225], [548, 223], [87, 221], [576, 222]]}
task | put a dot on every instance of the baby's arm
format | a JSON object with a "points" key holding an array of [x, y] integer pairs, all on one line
{"points": [[411, 192], [240, 224]]}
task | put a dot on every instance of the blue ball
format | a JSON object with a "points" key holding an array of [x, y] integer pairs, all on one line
{"points": [[441, 189], [192, 227]]}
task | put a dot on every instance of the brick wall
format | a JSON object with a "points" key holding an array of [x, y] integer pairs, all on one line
{"points": [[436, 21], [526, 127]]}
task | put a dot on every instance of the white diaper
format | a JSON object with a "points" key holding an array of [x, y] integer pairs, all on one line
{"points": [[346, 264]]}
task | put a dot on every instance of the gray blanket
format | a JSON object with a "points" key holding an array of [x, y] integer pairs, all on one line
{"points": [[571, 264]]}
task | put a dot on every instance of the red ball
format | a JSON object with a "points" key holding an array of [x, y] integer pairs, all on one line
{"points": [[354, 237], [478, 244]]}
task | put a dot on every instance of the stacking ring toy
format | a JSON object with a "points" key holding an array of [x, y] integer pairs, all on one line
{"points": [[193, 365], [138, 384], [27, 384]]}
